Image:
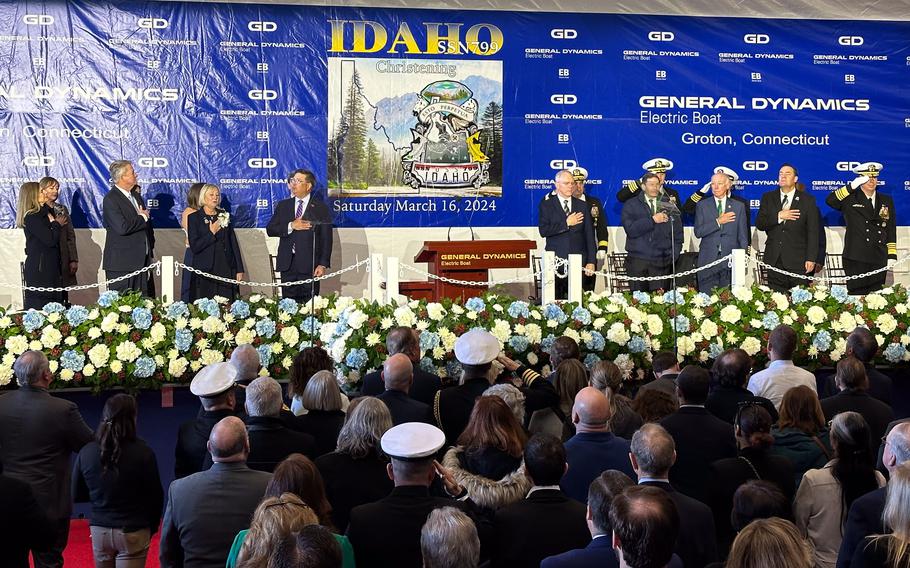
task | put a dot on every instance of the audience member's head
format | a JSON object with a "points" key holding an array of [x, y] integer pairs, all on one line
{"points": [[801, 409], [692, 385], [851, 374], [298, 474], [363, 428], [731, 368], [117, 427], [897, 446], [752, 426], [228, 441], [512, 396], [449, 539], [571, 377], [492, 425], [263, 398], [275, 519], [854, 466], [861, 344], [398, 373], [897, 512], [781, 343], [591, 411], [654, 405], [606, 376], [770, 543], [322, 392], [645, 526], [403, 340], [563, 349], [246, 360], [664, 362], [215, 386], [545, 459], [32, 369], [758, 499], [411, 447], [476, 350], [317, 547], [305, 365], [653, 451], [601, 493]]}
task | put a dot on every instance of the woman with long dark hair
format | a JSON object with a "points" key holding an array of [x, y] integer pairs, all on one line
{"points": [[607, 378], [118, 473], [48, 193], [192, 205]]}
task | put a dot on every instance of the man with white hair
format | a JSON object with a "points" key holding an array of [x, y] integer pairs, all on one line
{"points": [[566, 224], [129, 242], [270, 439], [722, 224], [246, 360], [449, 540]]}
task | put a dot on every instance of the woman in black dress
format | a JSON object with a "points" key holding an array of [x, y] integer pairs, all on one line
{"points": [[42, 246], [215, 249]]}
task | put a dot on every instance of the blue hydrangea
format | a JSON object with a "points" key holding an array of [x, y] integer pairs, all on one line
{"points": [[641, 297], [107, 299], [800, 295], [770, 320], [839, 293], [519, 309], [547, 342], [597, 342], [356, 358], [304, 344], [53, 307], [582, 315], [554, 312], [428, 340], [475, 304], [240, 309], [427, 365], [76, 315], [142, 318], [519, 343], [265, 354], [177, 310], [822, 340], [145, 367], [73, 360], [265, 328], [674, 296], [591, 359], [701, 299], [637, 344], [288, 305], [895, 352], [209, 306], [310, 324], [32, 320], [183, 338], [453, 369], [681, 324], [714, 350]]}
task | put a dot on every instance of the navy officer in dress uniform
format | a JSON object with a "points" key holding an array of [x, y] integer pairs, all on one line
{"points": [[660, 167], [871, 236], [598, 219]]}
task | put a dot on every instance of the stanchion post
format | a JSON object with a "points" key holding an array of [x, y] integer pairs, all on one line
{"points": [[376, 278], [575, 278], [547, 277], [167, 279], [738, 275], [391, 280]]}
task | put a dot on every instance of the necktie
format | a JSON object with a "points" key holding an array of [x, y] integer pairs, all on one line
{"points": [[786, 203], [565, 207], [299, 213], [653, 206], [720, 207]]}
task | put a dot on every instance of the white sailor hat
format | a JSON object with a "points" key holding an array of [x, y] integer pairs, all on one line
{"points": [[868, 169], [213, 380], [727, 172], [658, 165], [579, 173], [412, 441], [477, 347]]}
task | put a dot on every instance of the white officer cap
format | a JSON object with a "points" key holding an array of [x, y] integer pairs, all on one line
{"points": [[412, 441], [727, 172], [477, 347], [658, 165], [579, 173], [213, 380], [868, 169]]}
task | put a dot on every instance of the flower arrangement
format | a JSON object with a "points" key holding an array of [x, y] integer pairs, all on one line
{"points": [[135, 342]]}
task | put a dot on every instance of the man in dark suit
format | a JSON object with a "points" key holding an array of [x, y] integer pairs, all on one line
{"points": [[38, 433], [452, 407], [861, 344], [645, 524], [547, 521], [206, 510], [129, 242], [730, 375], [405, 340], [652, 241], [653, 453], [214, 385], [565, 222], [304, 226], [23, 525], [270, 440], [790, 219], [870, 241], [865, 516], [598, 219], [665, 368], [700, 438], [854, 395], [721, 223], [398, 374]]}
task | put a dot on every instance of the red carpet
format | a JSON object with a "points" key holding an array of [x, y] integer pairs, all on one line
{"points": [[78, 553]]}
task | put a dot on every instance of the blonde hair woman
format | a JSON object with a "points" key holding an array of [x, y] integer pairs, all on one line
{"points": [[891, 550], [192, 205], [275, 519], [770, 543], [324, 417], [42, 246], [210, 232]]}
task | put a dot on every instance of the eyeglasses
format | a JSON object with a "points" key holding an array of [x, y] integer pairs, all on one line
{"points": [[298, 181]]}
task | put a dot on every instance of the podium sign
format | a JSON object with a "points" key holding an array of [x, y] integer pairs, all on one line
{"points": [[471, 261]]}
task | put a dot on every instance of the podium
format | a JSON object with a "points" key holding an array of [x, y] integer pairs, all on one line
{"points": [[466, 260]]}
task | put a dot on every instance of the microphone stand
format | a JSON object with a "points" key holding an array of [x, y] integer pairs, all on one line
{"points": [[671, 210]]}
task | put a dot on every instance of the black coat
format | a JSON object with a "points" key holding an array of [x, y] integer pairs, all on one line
{"points": [[877, 413], [23, 524], [599, 220], [871, 232], [864, 519], [724, 401], [323, 425], [295, 249], [351, 482], [203, 243], [191, 452], [423, 388], [405, 409], [452, 407], [791, 244], [271, 441], [701, 439], [42, 249], [129, 240], [696, 544], [560, 237], [880, 385]]}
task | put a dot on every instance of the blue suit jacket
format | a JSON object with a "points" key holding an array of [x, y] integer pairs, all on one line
{"points": [[302, 260], [588, 455], [561, 238], [598, 554], [645, 238], [723, 237], [864, 519]]}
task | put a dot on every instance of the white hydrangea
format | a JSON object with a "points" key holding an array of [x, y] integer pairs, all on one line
{"points": [[99, 355], [88, 370], [655, 324], [127, 351], [876, 301], [109, 323], [210, 356], [742, 293], [708, 328], [886, 323], [501, 330], [635, 315], [751, 345], [730, 314], [17, 344], [780, 301], [533, 333], [404, 316], [816, 314], [618, 334]]}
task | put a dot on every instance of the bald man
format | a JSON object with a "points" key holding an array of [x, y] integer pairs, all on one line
{"points": [[206, 510], [398, 376], [593, 449]]}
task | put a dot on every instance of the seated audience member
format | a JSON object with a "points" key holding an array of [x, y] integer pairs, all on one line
{"points": [[890, 550], [398, 374], [275, 519], [665, 367], [246, 360], [563, 349], [781, 375], [512, 396], [307, 363], [654, 405], [800, 434], [316, 547], [700, 437], [757, 499], [607, 378], [865, 516], [449, 540], [323, 418], [387, 532], [487, 460], [770, 543], [854, 395], [207, 509], [214, 385], [546, 522], [645, 524], [653, 453], [752, 425], [355, 473], [118, 473], [730, 374], [593, 449], [570, 377], [404, 341], [861, 344], [825, 495]]}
